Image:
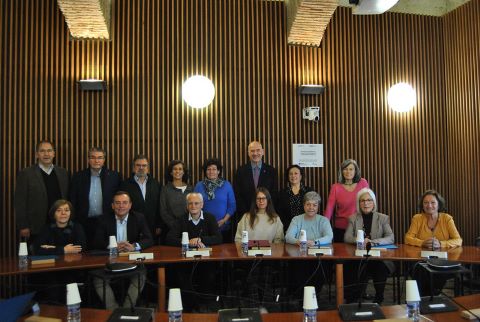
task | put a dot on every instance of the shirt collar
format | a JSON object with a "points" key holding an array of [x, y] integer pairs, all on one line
{"points": [[47, 170], [138, 178], [125, 219], [256, 165], [95, 173], [190, 218]]}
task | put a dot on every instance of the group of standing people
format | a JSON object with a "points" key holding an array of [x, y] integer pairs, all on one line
{"points": [[139, 212]]}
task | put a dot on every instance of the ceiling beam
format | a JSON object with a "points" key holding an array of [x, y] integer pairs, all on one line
{"points": [[87, 19], [308, 19]]}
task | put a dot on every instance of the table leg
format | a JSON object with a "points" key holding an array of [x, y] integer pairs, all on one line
{"points": [[162, 287], [339, 282]]}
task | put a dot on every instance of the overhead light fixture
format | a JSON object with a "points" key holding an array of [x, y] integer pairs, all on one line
{"points": [[371, 7], [311, 89], [198, 91], [92, 85], [401, 97]]}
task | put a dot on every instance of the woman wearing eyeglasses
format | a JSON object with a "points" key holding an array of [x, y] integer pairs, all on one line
{"points": [[377, 230], [262, 222]]}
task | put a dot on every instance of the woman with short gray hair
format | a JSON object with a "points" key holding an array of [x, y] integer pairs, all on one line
{"points": [[377, 231], [317, 227]]}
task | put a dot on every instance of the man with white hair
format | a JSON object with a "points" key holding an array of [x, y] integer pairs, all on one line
{"points": [[202, 227]]}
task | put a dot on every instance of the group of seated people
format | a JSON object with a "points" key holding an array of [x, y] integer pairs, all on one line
{"points": [[205, 212], [431, 229]]}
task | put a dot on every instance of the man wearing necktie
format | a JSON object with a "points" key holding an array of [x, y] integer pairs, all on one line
{"points": [[252, 175]]}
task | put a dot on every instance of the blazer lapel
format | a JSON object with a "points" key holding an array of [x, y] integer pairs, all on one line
{"points": [[374, 232]]}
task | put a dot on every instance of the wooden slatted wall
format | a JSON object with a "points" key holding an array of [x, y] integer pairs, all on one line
{"points": [[241, 46], [462, 86]]}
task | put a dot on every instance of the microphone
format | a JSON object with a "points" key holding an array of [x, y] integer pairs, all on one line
{"points": [[463, 307], [198, 238], [359, 311], [368, 247], [361, 269]]}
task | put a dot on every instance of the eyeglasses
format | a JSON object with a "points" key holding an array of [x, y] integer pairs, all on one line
{"points": [[96, 158], [366, 200], [141, 165]]}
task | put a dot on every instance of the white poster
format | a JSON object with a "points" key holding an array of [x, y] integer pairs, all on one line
{"points": [[308, 155]]}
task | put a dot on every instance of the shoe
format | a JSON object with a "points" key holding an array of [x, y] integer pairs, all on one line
{"points": [[263, 310]]}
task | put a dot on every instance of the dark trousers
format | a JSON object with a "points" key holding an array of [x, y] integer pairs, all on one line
{"points": [[338, 235], [197, 282], [356, 284], [307, 273]]}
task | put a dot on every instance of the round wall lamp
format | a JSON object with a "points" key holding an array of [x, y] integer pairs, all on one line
{"points": [[401, 97], [198, 91]]}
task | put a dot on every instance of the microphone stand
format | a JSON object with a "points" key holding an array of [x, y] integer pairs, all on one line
{"points": [[132, 313], [359, 311]]}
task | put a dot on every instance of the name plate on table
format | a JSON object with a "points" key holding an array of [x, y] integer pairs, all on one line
{"points": [[137, 256], [198, 253], [433, 254], [263, 251], [127, 254], [372, 252], [321, 250]]}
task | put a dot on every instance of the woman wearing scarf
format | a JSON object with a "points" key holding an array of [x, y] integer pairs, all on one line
{"points": [[218, 196]]}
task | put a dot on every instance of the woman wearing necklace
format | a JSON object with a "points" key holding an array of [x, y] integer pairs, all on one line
{"points": [[172, 196], [290, 199], [341, 200], [377, 230], [432, 229], [218, 196]]}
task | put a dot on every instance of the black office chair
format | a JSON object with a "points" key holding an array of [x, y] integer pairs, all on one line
{"points": [[474, 282]]}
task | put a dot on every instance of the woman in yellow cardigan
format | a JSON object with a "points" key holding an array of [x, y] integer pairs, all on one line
{"points": [[432, 229]]}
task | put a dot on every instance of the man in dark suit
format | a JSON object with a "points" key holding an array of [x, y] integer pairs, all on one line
{"points": [[92, 190], [145, 193], [132, 233], [251, 176], [38, 187]]}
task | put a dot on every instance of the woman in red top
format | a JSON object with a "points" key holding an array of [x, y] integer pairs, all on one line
{"points": [[341, 200]]}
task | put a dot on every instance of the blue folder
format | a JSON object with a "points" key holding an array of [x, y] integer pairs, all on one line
{"points": [[15, 307]]}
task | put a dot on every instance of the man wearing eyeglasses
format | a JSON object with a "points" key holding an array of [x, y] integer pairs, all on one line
{"points": [[37, 188], [132, 234], [203, 231], [92, 191], [144, 190]]}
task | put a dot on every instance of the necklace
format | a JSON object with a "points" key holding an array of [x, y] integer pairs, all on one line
{"points": [[429, 224]]}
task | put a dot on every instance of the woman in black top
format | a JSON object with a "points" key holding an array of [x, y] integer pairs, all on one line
{"points": [[290, 200], [62, 236]]}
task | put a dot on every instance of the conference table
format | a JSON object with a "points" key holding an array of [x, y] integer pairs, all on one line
{"points": [[391, 312], [164, 256]]}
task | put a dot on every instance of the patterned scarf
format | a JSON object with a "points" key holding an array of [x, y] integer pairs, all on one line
{"points": [[211, 186]]}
